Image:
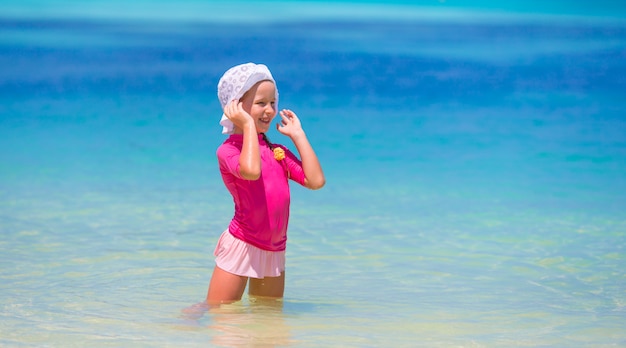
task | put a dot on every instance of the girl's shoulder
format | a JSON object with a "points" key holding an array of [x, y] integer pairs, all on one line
{"points": [[228, 148]]}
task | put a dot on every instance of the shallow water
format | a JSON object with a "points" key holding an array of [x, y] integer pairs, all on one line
{"points": [[475, 172]]}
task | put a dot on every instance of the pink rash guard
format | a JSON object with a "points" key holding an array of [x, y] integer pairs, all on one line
{"points": [[262, 205]]}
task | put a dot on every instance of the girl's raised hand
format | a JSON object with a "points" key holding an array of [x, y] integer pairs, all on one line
{"points": [[235, 112], [289, 124]]}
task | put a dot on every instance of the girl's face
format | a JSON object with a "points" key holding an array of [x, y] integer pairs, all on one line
{"points": [[260, 103]]}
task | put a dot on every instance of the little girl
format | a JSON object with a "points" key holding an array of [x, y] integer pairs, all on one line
{"points": [[256, 173]]}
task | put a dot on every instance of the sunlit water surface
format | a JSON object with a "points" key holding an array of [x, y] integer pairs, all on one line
{"points": [[475, 182]]}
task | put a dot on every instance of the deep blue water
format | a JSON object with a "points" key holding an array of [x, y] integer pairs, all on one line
{"points": [[475, 171]]}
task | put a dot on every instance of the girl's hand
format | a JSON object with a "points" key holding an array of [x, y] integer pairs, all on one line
{"points": [[290, 124], [291, 127], [237, 115]]}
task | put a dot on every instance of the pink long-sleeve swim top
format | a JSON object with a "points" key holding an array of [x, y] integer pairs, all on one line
{"points": [[261, 206]]}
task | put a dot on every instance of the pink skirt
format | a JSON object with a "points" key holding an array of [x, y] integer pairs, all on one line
{"points": [[238, 257]]}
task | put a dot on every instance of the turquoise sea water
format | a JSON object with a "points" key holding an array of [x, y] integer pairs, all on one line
{"points": [[475, 158]]}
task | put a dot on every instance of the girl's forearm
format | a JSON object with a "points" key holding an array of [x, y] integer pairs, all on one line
{"points": [[310, 164], [250, 160]]}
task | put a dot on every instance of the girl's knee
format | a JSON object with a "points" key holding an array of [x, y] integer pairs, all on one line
{"points": [[268, 287], [225, 287]]}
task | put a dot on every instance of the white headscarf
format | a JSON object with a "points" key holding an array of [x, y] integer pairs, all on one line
{"points": [[237, 81]]}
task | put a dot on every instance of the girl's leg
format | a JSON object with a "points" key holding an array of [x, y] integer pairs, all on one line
{"points": [[273, 287], [225, 287]]}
